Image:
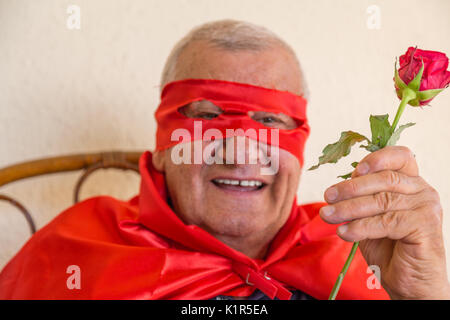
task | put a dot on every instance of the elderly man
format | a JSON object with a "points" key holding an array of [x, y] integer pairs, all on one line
{"points": [[206, 225]]}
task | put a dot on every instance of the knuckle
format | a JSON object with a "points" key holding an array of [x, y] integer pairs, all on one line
{"points": [[348, 210], [420, 181], [389, 220], [360, 226], [434, 194], [385, 200], [352, 187], [392, 178], [435, 213]]}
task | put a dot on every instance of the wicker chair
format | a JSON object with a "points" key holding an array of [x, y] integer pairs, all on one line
{"points": [[88, 162]]}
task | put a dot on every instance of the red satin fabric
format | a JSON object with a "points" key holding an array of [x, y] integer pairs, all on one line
{"points": [[236, 100], [139, 249]]}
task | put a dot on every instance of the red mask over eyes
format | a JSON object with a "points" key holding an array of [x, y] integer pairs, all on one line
{"points": [[235, 100]]}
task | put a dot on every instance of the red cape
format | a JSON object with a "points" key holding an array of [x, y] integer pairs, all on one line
{"points": [[140, 249]]}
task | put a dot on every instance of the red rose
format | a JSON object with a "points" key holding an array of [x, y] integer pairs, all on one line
{"points": [[435, 74]]}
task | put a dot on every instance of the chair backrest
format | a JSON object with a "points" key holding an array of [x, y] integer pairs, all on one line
{"points": [[89, 162]]}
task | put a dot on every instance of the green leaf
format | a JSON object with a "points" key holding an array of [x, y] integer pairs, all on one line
{"points": [[333, 152], [381, 129], [346, 176], [349, 175], [354, 164], [371, 147], [396, 135]]}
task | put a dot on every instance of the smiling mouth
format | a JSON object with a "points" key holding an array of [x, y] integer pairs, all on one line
{"points": [[239, 185]]}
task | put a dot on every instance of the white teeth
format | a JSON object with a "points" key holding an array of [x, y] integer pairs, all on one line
{"points": [[243, 183]]}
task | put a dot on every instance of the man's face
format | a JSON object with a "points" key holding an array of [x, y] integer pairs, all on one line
{"points": [[235, 202]]}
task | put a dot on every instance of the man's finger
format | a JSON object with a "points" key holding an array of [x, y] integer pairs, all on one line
{"points": [[371, 205], [385, 181], [410, 225], [397, 158]]}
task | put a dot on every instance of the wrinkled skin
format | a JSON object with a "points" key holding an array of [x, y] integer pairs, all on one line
{"points": [[395, 214], [246, 221]]}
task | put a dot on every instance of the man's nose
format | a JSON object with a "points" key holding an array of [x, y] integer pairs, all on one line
{"points": [[242, 150]]}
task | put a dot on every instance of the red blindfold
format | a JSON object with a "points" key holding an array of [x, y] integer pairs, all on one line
{"points": [[235, 101]]}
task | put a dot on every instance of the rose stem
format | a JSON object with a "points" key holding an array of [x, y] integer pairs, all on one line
{"points": [[407, 95], [338, 282]]}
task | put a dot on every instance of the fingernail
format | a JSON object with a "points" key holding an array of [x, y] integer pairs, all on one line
{"points": [[327, 210], [331, 193], [363, 168], [342, 229]]}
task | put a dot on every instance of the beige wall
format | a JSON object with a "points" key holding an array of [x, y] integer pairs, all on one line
{"points": [[66, 91]]}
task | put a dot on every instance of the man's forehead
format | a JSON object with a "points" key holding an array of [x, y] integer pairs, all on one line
{"points": [[273, 68]]}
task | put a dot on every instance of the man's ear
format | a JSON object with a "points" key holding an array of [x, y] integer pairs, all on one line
{"points": [[158, 160]]}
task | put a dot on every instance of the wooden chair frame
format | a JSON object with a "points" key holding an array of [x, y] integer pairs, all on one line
{"points": [[89, 162]]}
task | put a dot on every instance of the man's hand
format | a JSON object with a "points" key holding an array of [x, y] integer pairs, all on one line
{"points": [[397, 217]]}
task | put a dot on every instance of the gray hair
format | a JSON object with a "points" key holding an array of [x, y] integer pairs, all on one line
{"points": [[231, 35]]}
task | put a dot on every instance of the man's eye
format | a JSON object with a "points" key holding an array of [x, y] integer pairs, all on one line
{"points": [[202, 109], [207, 116], [269, 120], [272, 120]]}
